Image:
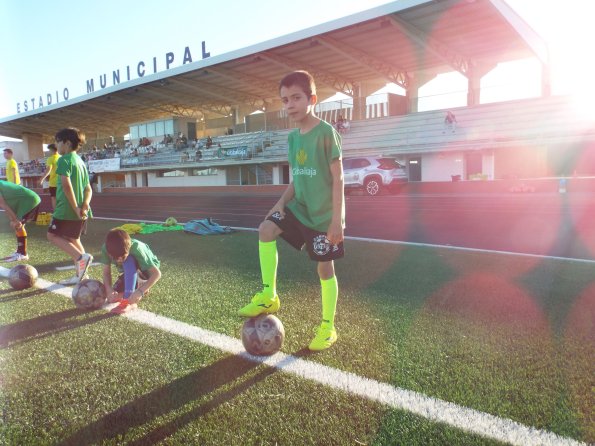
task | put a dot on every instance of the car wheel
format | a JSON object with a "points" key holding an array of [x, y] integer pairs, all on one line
{"points": [[372, 186]]}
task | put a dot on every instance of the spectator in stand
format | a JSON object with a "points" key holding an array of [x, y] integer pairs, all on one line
{"points": [[342, 124], [198, 155], [450, 122], [51, 163], [12, 169], [209, 142]]}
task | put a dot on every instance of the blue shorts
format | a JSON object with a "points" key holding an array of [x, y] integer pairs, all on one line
{"points": [[299, 236]]}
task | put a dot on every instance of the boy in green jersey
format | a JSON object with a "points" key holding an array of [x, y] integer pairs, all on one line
{"points": [[138, 267], [21, 205], [73, 195], [311, 211]]}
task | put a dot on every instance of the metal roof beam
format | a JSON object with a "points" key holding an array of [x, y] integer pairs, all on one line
{"points": [[324, 77], [390, 73], [267, 87], [457, 60]]}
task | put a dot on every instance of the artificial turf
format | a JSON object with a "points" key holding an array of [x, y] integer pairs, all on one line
{"points": [[507, 335]]}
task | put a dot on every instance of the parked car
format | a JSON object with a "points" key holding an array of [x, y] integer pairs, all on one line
{"points": [[374, 174]]}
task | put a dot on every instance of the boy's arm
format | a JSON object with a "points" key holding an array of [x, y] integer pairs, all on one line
{"points": [[335, 229], [286, 197], [107, 279], [45, 174], [14, 220], [69, 193], [154, 276], [87, 194]]}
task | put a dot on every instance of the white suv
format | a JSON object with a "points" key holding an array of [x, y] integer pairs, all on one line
{"points": [[373, 174]]}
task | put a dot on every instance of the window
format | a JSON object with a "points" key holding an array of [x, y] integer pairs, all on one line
{"points": [[151, 129], [169, 127], [171, 173], [249, 175], [160, 128], [203, 172]]}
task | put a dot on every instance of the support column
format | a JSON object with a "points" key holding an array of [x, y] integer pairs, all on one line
{"points": [[546, 80], [415, 82], [33, 145], [474, 76], [361, 91]]}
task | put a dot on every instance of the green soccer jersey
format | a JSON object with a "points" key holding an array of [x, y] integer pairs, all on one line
{"points": [[139, 250], [72, 166], [18, 198], [310, 157]]}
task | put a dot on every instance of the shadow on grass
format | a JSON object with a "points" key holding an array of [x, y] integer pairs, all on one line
{"points": [[47, 325], [171, 397], [17, 295]]}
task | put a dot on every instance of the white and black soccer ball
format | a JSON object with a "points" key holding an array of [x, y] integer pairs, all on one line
{"points": [[22, 276], [89, 294], [263, 335]]}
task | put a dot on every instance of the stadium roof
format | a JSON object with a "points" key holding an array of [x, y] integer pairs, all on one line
{"points": [[390, 43]]}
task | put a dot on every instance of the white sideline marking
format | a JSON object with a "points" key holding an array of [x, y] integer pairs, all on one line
{"points": [[469, 420]]}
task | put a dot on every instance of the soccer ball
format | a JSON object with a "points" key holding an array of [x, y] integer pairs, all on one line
{"points": [[89, 294], [263, 335], [22, 277], [170, 221]]}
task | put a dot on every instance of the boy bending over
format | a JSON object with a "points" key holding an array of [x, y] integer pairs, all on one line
{"points": [[137, 265], [21, 206]]}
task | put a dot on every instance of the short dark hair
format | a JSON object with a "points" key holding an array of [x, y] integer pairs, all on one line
{"points": [[8, 150], [52, 147], [117, 243], [299, 78], [72, 134]]}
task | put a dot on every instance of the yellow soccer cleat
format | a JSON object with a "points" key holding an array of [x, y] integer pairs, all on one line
{"points": [[260, 304], [325, 337]]}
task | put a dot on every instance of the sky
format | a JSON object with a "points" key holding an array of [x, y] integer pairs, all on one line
{"points": [[49, 46]]}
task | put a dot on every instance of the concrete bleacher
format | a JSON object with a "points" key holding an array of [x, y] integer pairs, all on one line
{"points": [[481, 126], [488, 125]]}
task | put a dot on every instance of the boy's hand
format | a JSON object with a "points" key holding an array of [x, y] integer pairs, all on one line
{"points": [[112, 296], [82, 211], [335, 233], [277, 208], [16, 225], [135, 296]]}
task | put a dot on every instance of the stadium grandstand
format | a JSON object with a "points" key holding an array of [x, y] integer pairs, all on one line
{"points": [[219, 121]]}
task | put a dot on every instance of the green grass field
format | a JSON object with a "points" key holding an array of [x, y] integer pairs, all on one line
{"points": [[509, 336]]}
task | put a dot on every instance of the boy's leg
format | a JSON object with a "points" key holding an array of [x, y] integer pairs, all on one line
{"points": [[267, 300], [326, 334], [130, 278], [269, 259], [65, 234], [22, 241], [66, 245]]}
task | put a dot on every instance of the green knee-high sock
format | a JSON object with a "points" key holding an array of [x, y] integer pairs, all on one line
{"points": [[267, 252], [330, 293]]}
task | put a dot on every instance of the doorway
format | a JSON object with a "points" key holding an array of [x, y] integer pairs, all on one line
{"points": [[191, 131], [414, 165]]}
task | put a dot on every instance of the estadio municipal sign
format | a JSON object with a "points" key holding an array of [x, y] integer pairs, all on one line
{"points": [[104, 80]]}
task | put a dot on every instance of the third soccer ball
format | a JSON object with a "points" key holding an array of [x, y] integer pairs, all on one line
{"points": [[263, 335], [22, 277], [89, 294]]}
